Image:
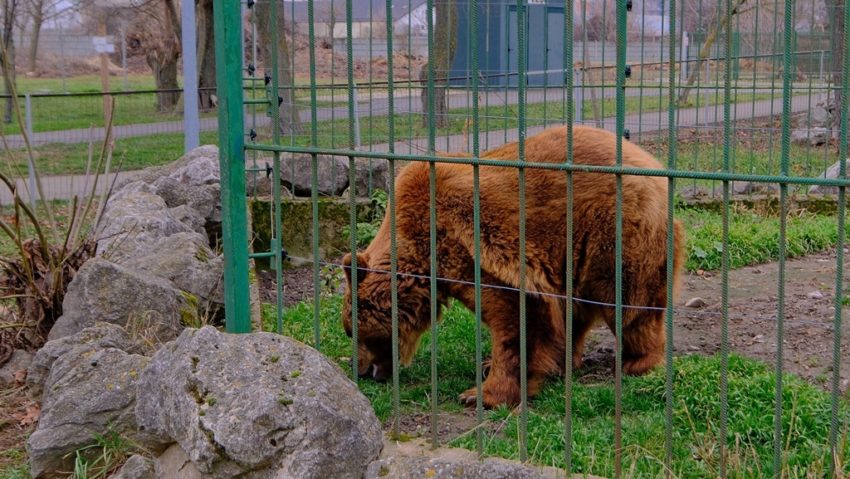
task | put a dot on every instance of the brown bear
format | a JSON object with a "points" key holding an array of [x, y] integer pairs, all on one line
{"points": [[644, 265]]}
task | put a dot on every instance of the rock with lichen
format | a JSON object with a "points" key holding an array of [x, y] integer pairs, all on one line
{"points": [[259, 404]]}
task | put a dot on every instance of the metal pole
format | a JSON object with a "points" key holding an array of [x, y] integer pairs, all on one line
{"points": [[62, 55], [30, 167], [124, 53], [683, 56], [231, 121], [191, 117]]}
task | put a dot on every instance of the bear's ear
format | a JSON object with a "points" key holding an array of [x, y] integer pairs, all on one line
{"points": [[362, 265]]}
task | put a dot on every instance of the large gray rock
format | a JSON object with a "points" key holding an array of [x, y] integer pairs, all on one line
{"points": [[815, 136], [199, 166], [203, 198], [19, 361], [190, 217], [136, 467], [186, 261], [374, 172], [86, 394], [831, 173], [260, 404], [105, 291], [132, 224], [296, 174], [98, 336]]}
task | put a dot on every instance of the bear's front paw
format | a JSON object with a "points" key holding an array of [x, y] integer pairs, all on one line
{"points": [[491, 396]]}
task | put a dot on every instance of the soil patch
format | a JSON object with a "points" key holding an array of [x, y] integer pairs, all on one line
{"points": [[18, 417], [752, 327]]}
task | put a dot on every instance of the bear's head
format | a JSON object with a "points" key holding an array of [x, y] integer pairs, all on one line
{"points": [[374, 315]]}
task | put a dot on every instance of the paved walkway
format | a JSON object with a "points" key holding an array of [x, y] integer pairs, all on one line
{"points": [[404, 102], [639, 124]]}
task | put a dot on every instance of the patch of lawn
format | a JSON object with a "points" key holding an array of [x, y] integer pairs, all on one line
{"points": [[83, 84], [13, 463], [806, 409], [753, 238], [130, 154]]}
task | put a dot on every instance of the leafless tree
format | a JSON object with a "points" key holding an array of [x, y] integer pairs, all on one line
{"points": [[156, 31], [290, 122], [445, 44], [7, 56], [40, 12], [837, 38], [206, 53]]}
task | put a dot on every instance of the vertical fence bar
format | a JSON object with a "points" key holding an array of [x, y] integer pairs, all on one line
{"points": [[353, 136], [618, 250], [277, 220], [838, 301], [33, 192], [432, 215], [476, 220], [573, 109], [671, 194], [724, 327], [788, 60], [522, 78], [228, 29], [391, 204], [314, 207]]}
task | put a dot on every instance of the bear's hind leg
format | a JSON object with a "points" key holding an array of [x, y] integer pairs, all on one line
{"points": [[643, 343], [582, 325]]}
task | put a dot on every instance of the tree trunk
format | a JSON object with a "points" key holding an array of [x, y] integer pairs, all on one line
{"points": [[8, 55], [165, 77], [37, 21], [290, 123], [836, 10], [206, 54], [445, 43], [706, 51], [163, 60]]}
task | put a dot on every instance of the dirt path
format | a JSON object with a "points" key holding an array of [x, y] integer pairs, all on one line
{"points": [[809, 318]]}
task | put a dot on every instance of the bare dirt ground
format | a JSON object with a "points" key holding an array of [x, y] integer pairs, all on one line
{"points": [[752, 327]]}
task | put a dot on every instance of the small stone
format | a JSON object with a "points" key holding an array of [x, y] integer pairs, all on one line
{"points": [[815, 295], [137, 467], [695, 302], [19, 361]]}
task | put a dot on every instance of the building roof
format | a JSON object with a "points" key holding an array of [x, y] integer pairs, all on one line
{"points": [[361, 10]]}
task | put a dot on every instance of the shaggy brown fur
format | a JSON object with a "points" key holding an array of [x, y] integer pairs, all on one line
{"points": [[644, 260]]}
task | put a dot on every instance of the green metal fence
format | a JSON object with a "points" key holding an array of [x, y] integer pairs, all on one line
{"points": [[713, 89]]}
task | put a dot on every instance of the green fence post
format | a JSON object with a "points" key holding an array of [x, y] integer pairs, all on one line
{"points": [[228, 27]]}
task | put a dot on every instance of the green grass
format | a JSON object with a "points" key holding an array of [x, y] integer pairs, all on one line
{"points": [[753, 238], [75, 112], [13, 463], [130, 154], [82, 84], [695, 417]]}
